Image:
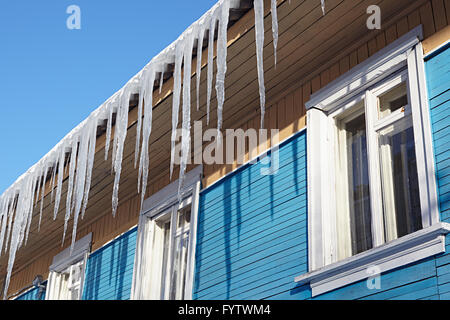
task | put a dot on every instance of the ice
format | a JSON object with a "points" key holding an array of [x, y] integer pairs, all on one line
{"points": [[176, 100], [212, 27], [161, 81], [186, 111], [109, 111], [53, 179], [80, 178], [59, 182], [221, 63], [42, 197], [73, 156], [147, 92], [259, 34], [201, 34], [323, 6], [139, 124], [119, 140], [4, 219], [274, 28], [90, 163]]}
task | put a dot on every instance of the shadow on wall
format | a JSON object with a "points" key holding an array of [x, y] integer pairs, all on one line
{"points": [[251, 236], [109, 270]]}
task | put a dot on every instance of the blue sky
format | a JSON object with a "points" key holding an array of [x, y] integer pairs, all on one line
{"points": [[52, 78]]}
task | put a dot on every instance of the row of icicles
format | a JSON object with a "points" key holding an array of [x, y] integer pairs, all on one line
{"points": [[18, 202]]}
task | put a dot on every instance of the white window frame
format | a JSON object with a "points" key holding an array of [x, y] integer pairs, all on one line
{"points": [[365, 81], [64, 263], [147, 277]]}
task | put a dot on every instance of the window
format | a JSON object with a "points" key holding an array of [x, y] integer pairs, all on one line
{"points": [[166, 242], [371, 184], [67, 272]]}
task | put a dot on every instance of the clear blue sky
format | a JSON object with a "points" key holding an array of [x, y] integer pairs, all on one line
{"points": [[52, 78]]}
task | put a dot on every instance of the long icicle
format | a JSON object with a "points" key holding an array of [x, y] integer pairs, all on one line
{"points": [[90, 165], [119, 140], [201, 34], [176, 100], [59, 183], [186, 124], [210, 69], [80, 179], [274, 29], [221, 64], [259, 34], [73, 157], [148, 118], [139, 120]]}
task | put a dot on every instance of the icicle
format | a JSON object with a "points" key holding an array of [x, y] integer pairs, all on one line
{"points": [[259, 33], [176, 100], [4, 220], [212, 27], [80, 178], [10, 220], [119, 140], [59, 182], [73, 157], [18, 228], [139, 119], [274, 29], [42, 196], [186, 123], [201, 34], [221, 64], [90, 163], [323, 6], [36, 199], [53, 178], [109, 110], [149, 81], [161, 81], [30, 210]]}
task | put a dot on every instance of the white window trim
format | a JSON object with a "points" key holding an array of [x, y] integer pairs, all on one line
{"points": [[402, 251], [322, 234], [153, 207], [64, 260]]}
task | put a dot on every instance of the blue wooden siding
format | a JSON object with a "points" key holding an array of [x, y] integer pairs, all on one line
{"points": [[438, 81], [32, 295], [109, 270], [252, 229]]}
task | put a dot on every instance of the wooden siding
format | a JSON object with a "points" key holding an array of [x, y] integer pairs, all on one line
{"points": [[313, 50], [252, 228], [109, 270], [31, 295], [438, 82]]}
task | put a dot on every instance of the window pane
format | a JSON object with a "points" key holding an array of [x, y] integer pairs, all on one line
{"points": [[358, 185], [401, 201], [179, 267], [165, 259], [392, 100]]}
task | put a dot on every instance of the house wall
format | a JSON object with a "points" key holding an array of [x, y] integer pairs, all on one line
{"points": [[261, 228], [251, 238], [312, 51], [31, 295], [109, 270]]}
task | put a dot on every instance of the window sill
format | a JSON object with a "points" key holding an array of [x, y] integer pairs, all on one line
{"points": [[408, 249]]}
